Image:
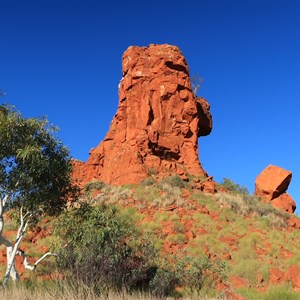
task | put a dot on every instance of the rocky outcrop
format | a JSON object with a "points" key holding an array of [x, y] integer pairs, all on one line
{"points": [[272, 182], [157, 125], [206, 186], [271, 185], [294, 222], [284, 202], [291, 275]]}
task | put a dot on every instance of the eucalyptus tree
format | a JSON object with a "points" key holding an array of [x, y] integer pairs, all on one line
{"points": [[35, 177]]}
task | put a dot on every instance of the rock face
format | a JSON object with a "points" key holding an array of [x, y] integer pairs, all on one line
{"points": [[271, 184], [284, 202], [157, 125], [292, 275]]}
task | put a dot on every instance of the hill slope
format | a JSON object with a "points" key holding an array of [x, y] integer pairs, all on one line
{"points": [[258, 244]]}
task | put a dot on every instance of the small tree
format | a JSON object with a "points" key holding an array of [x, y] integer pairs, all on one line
{"points": [[234, 187], [34, 176], [106, 251], [196, 82]]}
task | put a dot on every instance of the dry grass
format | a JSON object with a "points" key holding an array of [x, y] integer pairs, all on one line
{"points": [[22, 293], [246, 205]]}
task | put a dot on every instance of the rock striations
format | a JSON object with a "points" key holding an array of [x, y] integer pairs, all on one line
{"points": [[157, 125]]}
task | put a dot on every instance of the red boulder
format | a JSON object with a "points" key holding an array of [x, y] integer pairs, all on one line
{"points": [[284, 202], [272, 182], [271, 185]]}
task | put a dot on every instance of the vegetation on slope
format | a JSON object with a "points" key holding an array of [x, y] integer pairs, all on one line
{"points": [[169, 239]]}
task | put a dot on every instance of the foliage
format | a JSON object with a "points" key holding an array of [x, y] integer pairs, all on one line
{"points": [[245, 205], [105, 251], [148, 181], [196, 82], [196, 275], [152, 172], [93, 186], [199, 275], [164, 281], [234, 187], [174, 181], [118, 193], [34, 165], [177, 238]]}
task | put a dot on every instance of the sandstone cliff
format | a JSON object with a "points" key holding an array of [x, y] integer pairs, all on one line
{"points": [[156, 128]]}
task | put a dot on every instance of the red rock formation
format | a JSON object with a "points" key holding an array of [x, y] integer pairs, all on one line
{"points": [[293, 275], [272, 182], [157, 125], [271, 185], [239, 282], [284, 202], [276, 276], [294, 222], [207, 185]]}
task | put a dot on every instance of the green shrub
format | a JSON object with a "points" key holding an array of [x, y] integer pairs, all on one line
{"points": [[178, 227], [152, 171], [234, 187], [103, 250], [93, 186], [177, 238], [174, 181], [148, 181], [198, 275], [164, 282]]}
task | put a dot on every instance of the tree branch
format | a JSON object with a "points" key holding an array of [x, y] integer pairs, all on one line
{"points": [[5, 242], [5, 199], [32, 267]]}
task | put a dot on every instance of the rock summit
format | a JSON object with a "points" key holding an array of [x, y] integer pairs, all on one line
{"points": [[158, 122]]}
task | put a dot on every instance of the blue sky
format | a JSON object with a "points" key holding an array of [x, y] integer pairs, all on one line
{"points": [[63, 59]]}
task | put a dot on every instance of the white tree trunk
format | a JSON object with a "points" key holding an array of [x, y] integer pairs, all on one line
{"points": [[11, 268], [12, 250]]}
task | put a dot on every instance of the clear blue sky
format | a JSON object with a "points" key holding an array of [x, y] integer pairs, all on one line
{"points": [[62, 58]]}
